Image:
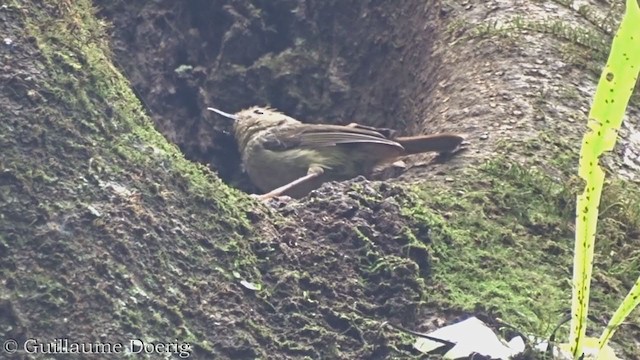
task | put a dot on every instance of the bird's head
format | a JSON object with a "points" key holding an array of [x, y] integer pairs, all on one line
{"points": [[251, 121]]}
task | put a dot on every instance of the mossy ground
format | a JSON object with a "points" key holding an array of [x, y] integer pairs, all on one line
{"points": [[502, 243], [95, 201]]}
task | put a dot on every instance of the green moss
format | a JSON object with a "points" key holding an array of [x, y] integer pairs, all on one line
{"points": [[107, 196], [86, 60], [502, 241]]}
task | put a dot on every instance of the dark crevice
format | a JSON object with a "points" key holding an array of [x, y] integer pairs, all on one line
{"points": [[317, 61]]}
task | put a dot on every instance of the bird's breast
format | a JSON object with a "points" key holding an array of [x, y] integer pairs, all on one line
{"points": [[269, 169]]}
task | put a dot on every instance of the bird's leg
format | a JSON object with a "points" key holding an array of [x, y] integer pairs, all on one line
{"points": [[313, 172]]}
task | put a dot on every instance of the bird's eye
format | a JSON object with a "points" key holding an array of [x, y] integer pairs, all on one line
{"points": [[259, 112]]}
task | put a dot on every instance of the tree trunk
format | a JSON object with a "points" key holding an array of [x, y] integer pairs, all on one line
{"points": [[109, 234]]}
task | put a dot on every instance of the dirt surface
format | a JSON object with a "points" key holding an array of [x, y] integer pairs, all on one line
{"points": [[108, 234]]}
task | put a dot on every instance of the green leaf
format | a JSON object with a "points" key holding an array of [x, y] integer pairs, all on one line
{"points": [[612, 96]]}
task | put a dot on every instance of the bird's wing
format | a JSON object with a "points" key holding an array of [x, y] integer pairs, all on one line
{"points": [[320, 135]]}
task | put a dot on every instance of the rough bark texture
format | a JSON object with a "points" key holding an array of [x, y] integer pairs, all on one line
{"points": [[107, 233]]}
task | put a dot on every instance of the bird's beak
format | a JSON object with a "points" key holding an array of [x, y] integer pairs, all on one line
{"points": [[227, 115]]}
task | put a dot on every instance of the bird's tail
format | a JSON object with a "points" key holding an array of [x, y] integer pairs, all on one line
{"points": [[441, 143]]}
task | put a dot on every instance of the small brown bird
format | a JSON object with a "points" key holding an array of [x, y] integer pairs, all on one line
{"points": [[283, 156]]}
